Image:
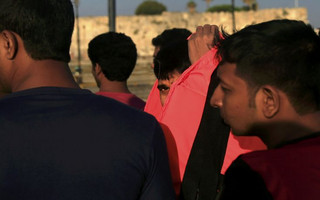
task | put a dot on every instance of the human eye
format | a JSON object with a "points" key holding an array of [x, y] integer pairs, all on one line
{"points": [[163, 88], [225, 89]]}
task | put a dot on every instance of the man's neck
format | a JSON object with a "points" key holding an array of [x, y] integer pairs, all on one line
{"points": [[276, 134], [2, 94], [114, 86], [43, 73]]}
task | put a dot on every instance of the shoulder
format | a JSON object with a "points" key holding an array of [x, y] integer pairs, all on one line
{"points": [[123, 112], [241, 182], [291, 151]]}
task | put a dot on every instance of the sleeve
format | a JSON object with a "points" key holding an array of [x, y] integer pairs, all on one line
{"points": [[241, 182], [158, 185]]}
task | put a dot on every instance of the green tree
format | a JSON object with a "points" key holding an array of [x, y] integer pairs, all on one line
{"points": [[226, 8], [150, 7], [191, 6]]}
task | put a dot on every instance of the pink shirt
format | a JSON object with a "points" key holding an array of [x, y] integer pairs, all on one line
{"points": [[126, 98]]}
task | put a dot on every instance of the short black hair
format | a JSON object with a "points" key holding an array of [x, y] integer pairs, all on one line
{"points": [[171, 57], [170, 35], [45, 26], [282, 53], [116, 53]]}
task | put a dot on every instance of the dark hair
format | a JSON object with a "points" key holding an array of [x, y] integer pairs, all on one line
{"points": [[282, 53], [45, 26], [115, 53], [171, 35], [171, 57]]}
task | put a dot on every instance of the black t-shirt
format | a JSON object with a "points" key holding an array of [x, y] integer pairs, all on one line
{"points": [[59, 143]]}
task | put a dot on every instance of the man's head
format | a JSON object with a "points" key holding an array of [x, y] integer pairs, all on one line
{"points": [[264, 66], [169, 35], [45, 26], [114, 54], [171, 61]]}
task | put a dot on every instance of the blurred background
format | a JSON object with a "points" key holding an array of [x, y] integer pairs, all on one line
{"points": [[143, 20]]}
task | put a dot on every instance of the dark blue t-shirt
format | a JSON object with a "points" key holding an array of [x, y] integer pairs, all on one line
{"points": [[60, 143]]}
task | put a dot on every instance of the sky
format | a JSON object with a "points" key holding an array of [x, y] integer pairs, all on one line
{"points": [[127, 7]]}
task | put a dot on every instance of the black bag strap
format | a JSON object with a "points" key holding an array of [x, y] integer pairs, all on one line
{"points": [[202, 174]]}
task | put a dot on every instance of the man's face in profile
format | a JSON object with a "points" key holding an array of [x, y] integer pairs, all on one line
{"points": [[232, 97]]}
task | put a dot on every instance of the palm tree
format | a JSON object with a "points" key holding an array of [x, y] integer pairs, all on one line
{"points": [[253, 5], [191, 6], [208, 3]]}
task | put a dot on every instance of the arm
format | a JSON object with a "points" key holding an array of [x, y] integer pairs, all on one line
{"points": [[201, 41], [158, 183]]}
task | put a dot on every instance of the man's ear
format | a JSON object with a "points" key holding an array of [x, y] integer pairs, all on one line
{"points": [[271, 101], [97, 69], [9, 44]]}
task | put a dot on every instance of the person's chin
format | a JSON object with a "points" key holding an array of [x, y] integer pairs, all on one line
{"points": [[237, 132], [225, 120]]}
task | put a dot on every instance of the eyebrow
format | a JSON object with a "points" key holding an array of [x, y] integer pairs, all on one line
{"points": [[223, 82]]}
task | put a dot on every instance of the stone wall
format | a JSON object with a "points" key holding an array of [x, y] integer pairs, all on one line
{"points": [[143, 28]]}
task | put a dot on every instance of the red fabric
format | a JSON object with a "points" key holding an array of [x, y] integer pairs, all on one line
{"points": [[126, 98], [240, 145], [183, 108], [173, 158], [291, 172]]}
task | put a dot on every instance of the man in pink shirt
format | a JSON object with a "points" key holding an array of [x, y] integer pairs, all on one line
{"points": [[113, 56]]}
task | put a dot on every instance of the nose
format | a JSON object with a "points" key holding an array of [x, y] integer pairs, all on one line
{"points": [[216, 98]]}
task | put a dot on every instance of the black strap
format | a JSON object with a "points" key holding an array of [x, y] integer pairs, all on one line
{"points": [[202, 174]]}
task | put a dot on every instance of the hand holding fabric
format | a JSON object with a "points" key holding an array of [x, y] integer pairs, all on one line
{"points": [[201, 41]]}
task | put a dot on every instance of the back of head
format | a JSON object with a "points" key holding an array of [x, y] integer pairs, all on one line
{"points": [[171, 35], [281, 53], [172, 57], [116, 54], [45, 26]]}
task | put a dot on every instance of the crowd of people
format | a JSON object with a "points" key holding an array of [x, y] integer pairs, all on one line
{"points": [[230, 116]]}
